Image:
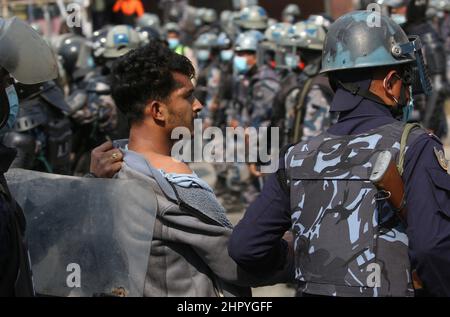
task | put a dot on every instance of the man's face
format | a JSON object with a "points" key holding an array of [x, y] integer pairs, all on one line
{"points": [[182, 106], [249, 56], [173, 35], [401, 10]]}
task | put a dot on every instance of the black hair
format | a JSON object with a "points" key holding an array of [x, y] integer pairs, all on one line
{"points": [[146, 74]]}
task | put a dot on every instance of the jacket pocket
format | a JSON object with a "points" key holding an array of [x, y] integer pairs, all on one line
{"points": [[441, 191]]}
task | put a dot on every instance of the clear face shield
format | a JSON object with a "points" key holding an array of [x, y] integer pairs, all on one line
{"points": [[417, 75], [266, 54], [26, 56], [288, 58]]}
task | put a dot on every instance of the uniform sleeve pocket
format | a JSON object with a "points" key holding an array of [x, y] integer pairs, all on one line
{"points": [[441, 190]]}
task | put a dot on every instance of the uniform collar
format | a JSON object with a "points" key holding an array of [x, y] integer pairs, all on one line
{"points": [[366, 108], [7, 156]]}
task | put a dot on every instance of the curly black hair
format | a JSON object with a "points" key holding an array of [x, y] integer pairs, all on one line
{"points": [[146, 74]]}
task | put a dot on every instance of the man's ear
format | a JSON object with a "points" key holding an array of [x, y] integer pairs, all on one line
{"points": [[389, 81], [157, 110]]}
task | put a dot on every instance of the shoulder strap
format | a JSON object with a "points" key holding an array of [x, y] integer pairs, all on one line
{"points": [[281, 173], [300, 110], [406, 132]]}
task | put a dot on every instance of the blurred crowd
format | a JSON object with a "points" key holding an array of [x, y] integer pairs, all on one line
{"points": [[251, 71]]}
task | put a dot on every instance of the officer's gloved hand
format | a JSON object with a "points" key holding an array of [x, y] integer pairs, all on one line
{"points": [[107, 115], [106, 160]]}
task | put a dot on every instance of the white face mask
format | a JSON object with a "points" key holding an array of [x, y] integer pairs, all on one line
{"points": [[400, 19], [409, 109], [240, 64], [13, 100], [226, 55], [203, 55], [291, 61], [173, 43]]}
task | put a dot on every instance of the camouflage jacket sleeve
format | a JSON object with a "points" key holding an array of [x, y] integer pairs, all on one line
{"points": [[317, 115], [262, 100], [256, 243]]}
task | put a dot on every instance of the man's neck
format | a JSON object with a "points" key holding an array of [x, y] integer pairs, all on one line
{"points": [[146, 139]]}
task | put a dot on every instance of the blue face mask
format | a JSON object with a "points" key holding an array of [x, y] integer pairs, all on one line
{"points": [[400, 19], [203, 55], [409, 109], [226, 55], [13, 100], [240, 64], [291, 61], [91, 62], [173, 43]]}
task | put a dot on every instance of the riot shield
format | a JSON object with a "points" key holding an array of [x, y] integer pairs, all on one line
{"points": [[86, 236], [25, 55]]}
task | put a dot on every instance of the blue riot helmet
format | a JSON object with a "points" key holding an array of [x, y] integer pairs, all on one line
{"points": [[323, 20], [98, 43], [240, 4], [440, 5], [149, 20], [120, 40], [75, 53], [246, 42], [438, 8], [415, 10], [225, 45], [148, 33], [270, 51], [253, 18], [309, 39], [291, 13], [357, 40], [209, 16], [205, 45], [198, 19]]}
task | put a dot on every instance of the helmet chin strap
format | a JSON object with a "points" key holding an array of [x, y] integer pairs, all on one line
{"points": [[397, 110]]}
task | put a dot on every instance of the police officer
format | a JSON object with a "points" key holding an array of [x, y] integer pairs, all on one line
{"points": [[348, 239], [438, 13], [323, 20], [93, 109], [316, 94], [289, 66], [411, 15], [252, 18], [27, 58], [302, 105], [209, 23], [148, 19], [42, 134], [291, 13], [75, 55], [173, 37], [254, 92], [207, 88]]}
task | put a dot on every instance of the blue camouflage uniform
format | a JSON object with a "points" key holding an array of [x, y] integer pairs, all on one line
{"points": [[256, 241]]}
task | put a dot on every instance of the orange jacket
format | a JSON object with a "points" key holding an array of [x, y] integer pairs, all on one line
{"points": [[129, 7]]}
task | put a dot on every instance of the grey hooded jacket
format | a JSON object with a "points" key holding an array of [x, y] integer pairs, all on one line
{"points": [[188, 254]]}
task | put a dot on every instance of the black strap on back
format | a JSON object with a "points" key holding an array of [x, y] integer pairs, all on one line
{"points": [[281, 173], [356, 90]]}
